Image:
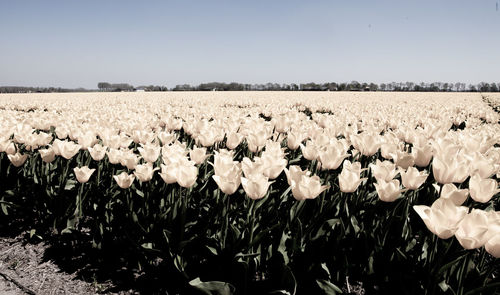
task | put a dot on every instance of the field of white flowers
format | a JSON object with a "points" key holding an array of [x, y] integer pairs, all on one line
{"points": [[262, 192]]}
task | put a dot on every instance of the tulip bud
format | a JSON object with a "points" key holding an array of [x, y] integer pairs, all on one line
{"points": [[114, 155], [149, 152], [385, 170], [69, 149], [450, 191], [17, 159], [233, 140], [187, 175], [412, 178], [83, 174], [145, 172], [169, 173], [388, 191], [472, 230], [48, 155], [124, 180], [493, 246], [307, 187], [97, 152], [482, 190], [443, 217], [255, 186], [198, 155]]}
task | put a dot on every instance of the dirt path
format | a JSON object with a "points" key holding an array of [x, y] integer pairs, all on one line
{"points": [[24, 271]]}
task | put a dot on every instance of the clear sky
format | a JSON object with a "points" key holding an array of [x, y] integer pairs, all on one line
{"points": [[79, 43]]}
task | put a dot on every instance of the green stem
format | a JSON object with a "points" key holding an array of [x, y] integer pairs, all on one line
{"points": [[226, 221], [252, 222], [461, 275], [79, 201]]}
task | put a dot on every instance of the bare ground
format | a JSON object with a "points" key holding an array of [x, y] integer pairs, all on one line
{"points": [[25, 270]]}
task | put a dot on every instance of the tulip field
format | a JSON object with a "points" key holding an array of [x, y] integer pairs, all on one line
{"points": [[264, 192]]}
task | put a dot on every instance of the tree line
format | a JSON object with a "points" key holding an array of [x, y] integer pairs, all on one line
{"points": [[347, 86], [233, 86]]}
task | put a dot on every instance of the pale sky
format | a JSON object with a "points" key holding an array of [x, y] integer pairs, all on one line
{"points": [[80, 43]]}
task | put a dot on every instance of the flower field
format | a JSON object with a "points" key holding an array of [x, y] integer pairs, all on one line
{"points": [[265, 192]]}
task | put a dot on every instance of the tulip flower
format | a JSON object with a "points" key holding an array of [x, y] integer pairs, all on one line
{"points": [[388, 191], [114, 155], [7, 146], [83, 173], [206, 137], [166, 138], [257, 140], [228, 184], [332, 157], [450, 191], [252, 167], [97, 152], [308, 187], [169, 173], [149, 152], [124, 180], [48, 155], [69, 149], [129, 159], [412, 179], [17, 159], [403, 159], [272, 165], [309, 151], [145, 172], [471, 232], [367, 144], [388, 149], [233, 140], [294, 173], [385, 170], [443, 217], [349, 178], [255, 185], [492, 246], [187, 175], [294, 139], [493, 224], [448, 171], [86, 140], [198, 155], [482, 190], [479, 164], [422, 155]]}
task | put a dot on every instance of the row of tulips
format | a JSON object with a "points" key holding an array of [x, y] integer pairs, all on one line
{"points": [[286, 203]]}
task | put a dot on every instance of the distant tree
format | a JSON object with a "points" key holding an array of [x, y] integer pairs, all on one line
{"points": [[493, 87], [104, 86], [373, 87]]}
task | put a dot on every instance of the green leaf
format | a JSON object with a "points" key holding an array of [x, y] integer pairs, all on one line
{"points": [[4, 208], [325, 268], [288, 280], [147, 246], [212, 250], [489, 287], [70, 184], [282, 247], [327, 287], [450, 264], [444, 286], [212, 287], [355, 225]]}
